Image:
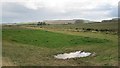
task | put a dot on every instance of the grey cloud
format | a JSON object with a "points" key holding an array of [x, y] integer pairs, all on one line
{"points": [[15, 12], [114, 12]]}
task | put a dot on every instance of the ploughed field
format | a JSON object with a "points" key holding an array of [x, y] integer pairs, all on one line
{"points": [[25, 46]]}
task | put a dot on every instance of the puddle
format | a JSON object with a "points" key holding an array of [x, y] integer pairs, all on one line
{"points": [[72, 55]]}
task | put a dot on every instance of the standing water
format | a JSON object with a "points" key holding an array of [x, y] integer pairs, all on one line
{"points": [[72, 55]]}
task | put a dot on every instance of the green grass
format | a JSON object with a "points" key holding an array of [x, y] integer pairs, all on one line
{"points": [[28, 47], [48, 39]]}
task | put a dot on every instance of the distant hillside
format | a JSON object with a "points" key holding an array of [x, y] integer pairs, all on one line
{"points": [[67, 21], [74, 21], [59, 21], [77, 21], [112, 20]]}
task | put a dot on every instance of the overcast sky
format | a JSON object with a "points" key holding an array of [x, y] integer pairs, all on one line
{"points": [[37, 10]]}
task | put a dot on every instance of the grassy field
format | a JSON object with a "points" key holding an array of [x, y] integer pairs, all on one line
{"points": [[48, 39], [35, 47], [110, 26]]}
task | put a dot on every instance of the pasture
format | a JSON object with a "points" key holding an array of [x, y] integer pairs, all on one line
{"points": [[35, 46]]}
